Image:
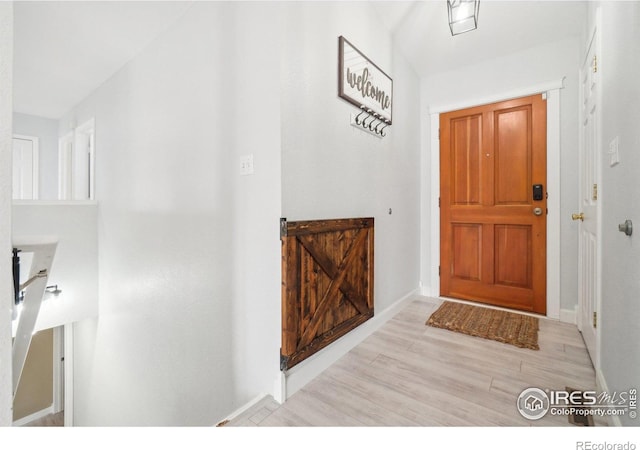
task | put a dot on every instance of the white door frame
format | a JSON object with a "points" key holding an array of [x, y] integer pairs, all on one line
{"points": [[77, 169], [431, 170], [58, 369], [65, 167], [85, 142], [68, 375]]}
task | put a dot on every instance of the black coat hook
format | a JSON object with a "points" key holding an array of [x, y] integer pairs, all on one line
{"points": [[374, 115], [381, 131], [374, 128], [357, 117]]}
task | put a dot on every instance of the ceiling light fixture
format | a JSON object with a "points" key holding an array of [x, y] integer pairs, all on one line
{"points": [[463, 15]]}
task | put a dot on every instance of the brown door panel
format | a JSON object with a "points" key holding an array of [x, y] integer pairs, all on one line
{"points": [[493, 241]]}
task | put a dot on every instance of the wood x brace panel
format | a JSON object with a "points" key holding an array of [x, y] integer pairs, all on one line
{"points": [[327, 283]]}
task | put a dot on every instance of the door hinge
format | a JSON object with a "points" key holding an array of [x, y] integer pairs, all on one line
{"points": [[438, 202], [283, 227], [284, 360], [439, 271], [595, 319], [438, 133], [594, 65], [594, 196]]}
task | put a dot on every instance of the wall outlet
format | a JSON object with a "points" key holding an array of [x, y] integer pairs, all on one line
{"points": [[246, 165]]}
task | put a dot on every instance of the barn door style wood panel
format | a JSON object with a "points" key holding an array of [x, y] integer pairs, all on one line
{"points": [[327, 283], [493, 221]]}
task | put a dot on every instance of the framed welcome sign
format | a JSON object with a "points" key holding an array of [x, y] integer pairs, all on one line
{"points": [[363, 83]]}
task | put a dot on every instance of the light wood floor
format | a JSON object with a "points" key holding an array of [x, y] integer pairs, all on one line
{"points": [[51, 420], [408, 374]]}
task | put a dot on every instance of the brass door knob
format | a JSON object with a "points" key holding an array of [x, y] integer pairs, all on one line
{"points": [[577, 216]]}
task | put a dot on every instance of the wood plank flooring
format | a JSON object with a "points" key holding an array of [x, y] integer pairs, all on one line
{"points": [[408, 374], [50, 420]]}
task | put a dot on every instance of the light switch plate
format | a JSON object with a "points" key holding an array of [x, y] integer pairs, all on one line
{"points": [[246, 165]]}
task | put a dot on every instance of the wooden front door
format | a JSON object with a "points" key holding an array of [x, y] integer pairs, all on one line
{"points": [[492, 221]]}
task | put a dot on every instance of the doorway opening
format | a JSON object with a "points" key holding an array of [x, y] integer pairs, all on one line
{"points": [[76, 163], [25, 167], [40, 396]]}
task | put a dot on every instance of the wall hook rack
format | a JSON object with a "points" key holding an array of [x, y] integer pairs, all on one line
{"points": [[372, 122]]}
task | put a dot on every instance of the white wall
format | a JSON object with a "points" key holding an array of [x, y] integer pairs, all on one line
{"points": [[619, 66], [6, 280], [333, 170], [189, 324], [47, 132], [189, 251], [257, 204], [501, 77]]}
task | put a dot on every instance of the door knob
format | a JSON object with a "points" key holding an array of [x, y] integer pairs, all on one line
{"points": [[577, 216], [537, 211]]}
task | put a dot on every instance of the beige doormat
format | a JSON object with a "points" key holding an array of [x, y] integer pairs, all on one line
{"points": [[502, 326]]}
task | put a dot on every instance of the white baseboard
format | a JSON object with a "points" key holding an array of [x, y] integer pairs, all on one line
{"points": [[298, 376], [280, 388], [35, 416], [246, 406], [569, 316], [601, 385]]}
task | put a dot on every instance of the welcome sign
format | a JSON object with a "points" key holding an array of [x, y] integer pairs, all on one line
{"points": [[363, 83]]}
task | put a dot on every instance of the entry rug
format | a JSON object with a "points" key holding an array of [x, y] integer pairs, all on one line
{"points": [[502, 326]]}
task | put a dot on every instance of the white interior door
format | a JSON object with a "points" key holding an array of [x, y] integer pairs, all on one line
{"points": [[589, 214], [25, 167]]}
